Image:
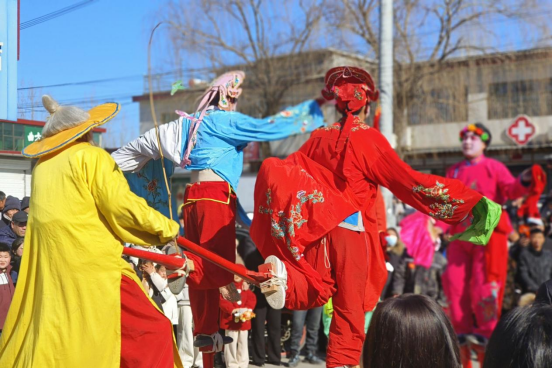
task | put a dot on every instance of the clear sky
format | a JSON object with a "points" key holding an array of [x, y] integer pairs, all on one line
{"points": [[106, 39]]}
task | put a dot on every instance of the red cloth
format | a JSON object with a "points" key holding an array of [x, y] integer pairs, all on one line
{"points": [[341, 269], [209, 214], [227, 320], [6, 295], [146, 334], [530, 208]]}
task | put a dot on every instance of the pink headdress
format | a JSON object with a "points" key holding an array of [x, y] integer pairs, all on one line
{"points": [[226, 86]]}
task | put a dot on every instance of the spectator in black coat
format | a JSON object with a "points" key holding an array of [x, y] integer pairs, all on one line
{"points": [[535, 263], [11, 207]]}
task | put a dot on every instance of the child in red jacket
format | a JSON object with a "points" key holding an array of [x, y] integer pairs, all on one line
{"points": [[235, 319]]}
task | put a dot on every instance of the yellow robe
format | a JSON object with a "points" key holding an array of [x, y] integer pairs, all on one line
{"points": [[66, 308]]}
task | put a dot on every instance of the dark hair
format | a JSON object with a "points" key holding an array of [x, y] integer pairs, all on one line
{"points": [[16, 244], [394, 230], [2, 196], [4, 248], [410, 331], [536, 230], [522, 339]]}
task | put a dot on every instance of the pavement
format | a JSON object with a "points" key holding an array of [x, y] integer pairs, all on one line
{"points": [[307, 365]]}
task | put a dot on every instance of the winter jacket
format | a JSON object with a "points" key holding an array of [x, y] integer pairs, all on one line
{"points": [[7, 236], [227, 319], [544, 295], [6, 293], [410, 278], [534, 268]]}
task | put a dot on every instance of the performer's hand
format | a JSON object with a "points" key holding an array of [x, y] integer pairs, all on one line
{"points": [[148, 268]]}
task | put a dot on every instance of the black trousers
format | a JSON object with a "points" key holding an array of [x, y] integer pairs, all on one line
{"points": [[273, 318]]}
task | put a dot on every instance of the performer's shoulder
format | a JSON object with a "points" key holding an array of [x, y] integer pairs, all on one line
{"points": [[493, 161], [88, 152]]}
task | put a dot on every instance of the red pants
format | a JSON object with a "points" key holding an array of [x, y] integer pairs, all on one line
{"points": [[146, 334], [472, 288], [209, 220], [338, 269]]}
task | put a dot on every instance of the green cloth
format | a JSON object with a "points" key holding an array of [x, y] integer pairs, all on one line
{"points": [[486, 215], [327, 316]]}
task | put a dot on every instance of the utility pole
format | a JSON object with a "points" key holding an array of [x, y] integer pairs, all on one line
{"points": [[386, 90]]}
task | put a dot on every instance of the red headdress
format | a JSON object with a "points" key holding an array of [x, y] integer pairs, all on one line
{"points": [[352, 88]]}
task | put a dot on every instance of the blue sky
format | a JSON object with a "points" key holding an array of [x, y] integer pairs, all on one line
{"points": [[106, 39]]}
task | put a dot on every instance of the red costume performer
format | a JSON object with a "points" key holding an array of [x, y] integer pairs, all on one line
{"points": [[318, 205]]}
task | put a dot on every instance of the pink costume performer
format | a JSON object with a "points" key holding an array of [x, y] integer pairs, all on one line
{"points": [[475, 276]]}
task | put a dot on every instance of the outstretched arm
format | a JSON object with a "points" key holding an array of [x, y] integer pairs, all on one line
{"points": [[134, 155], [128, 215], [443, 199], [243, 129]]}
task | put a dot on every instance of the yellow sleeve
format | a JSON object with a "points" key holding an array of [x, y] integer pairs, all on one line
{"points": [[128, 215]]}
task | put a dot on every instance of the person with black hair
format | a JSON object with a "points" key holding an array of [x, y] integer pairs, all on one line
{"points": [[522, 339], [535, 263], [17, 253], [12, 205], [410, 331], [2, 200]]}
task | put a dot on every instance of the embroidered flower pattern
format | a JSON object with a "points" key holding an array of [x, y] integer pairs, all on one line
{"points": [[358, 95], [282, 226], [444, 210], [489, 307], [153, 196]]}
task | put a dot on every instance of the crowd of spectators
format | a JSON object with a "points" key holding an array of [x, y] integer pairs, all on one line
{"points": [[13, 226]]}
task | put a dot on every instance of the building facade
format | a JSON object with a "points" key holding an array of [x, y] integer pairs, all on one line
{"points": [[511, 94]]}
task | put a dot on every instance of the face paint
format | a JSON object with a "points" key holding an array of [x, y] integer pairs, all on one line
{"points": [[391, 240], [472, 145]]}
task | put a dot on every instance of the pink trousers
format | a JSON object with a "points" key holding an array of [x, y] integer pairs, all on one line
{"points": [[472, 296]]}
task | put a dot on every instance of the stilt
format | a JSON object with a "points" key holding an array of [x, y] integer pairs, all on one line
{"points": [[174, 262], [465, 356], [208, 360]]}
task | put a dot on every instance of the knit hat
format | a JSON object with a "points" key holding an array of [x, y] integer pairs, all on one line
{"points": [[12, 203], [25, 203]]}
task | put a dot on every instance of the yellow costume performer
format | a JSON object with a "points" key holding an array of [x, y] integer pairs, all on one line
{"points": [[67, 308]]}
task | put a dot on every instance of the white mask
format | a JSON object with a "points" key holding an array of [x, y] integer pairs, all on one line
{"points": [[391, 240]]}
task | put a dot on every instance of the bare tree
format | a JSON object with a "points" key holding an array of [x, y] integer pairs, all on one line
{"points": [[268, 39], [427, 35]]}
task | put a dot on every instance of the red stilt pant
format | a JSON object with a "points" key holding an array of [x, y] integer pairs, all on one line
{"points": [[209, 220]]}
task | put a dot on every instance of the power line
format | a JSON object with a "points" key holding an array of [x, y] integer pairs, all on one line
{"points": [[55, 14], [156, 75], [83, 82]]}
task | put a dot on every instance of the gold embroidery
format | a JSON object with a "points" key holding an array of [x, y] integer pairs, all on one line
{"points": [[444, 210]]}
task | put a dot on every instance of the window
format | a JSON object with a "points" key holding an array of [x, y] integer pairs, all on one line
{"points": [[529, 97], [168, 117], [12, 137], [439, 106]]}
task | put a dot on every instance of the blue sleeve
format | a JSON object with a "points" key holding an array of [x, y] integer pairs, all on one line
{"points": [[242, 129]]}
